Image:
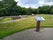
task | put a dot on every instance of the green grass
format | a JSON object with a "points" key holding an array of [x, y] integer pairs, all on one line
{"points": [[48, 23], [9, 28], [5, 19], [23, 24]]}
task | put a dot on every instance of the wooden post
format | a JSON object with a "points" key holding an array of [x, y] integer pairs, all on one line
{"points": [[38, 26]]}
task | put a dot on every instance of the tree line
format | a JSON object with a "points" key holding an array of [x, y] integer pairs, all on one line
{"points": [[10, 8]]}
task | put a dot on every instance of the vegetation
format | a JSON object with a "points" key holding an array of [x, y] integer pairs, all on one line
{"points": [[29, 22], [5, 19], [10, 8]]}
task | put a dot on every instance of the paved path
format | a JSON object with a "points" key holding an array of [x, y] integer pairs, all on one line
{"points": [[31, 34]]}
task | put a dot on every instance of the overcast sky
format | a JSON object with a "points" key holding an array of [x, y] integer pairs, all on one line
{"points": [[34, 3]]}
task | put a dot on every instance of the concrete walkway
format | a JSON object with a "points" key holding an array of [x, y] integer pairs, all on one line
{"points": [[31, 34]]}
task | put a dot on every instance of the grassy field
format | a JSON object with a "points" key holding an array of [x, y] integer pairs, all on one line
{"points": [[29, 22], [5, 19], [48, 23]]}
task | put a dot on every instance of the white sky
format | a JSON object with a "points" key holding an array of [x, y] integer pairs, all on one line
{"points": [[34, 3], [0, 0]]}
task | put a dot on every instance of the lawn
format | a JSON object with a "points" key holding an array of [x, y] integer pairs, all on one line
{"points": [[29, 22], [5, 19]]}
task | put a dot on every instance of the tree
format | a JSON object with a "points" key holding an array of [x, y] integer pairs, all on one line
{"points": [[51, 11], [8, 7]]}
